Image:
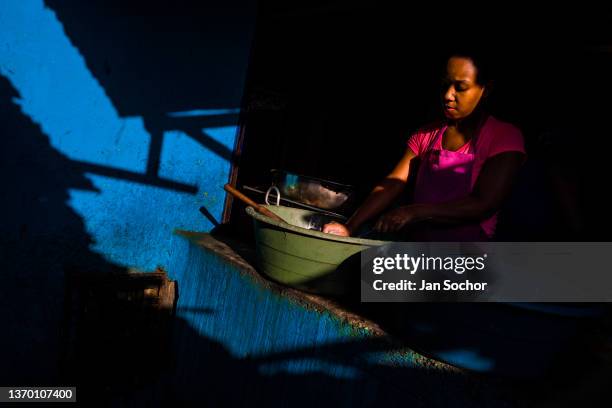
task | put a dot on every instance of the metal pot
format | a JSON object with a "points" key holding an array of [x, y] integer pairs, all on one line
{"points": [[312, 191]]}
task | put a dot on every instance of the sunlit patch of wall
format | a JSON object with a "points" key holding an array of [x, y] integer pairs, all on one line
{"points": [[132, 214]]}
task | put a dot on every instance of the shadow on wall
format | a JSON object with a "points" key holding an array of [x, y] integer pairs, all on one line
{"points": [[42, 239], [132, 51], [142, 98], [152, 63], [132, 57], [159, 62]]}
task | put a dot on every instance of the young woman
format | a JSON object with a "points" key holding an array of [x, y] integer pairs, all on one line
{"points": [[468, 163]]}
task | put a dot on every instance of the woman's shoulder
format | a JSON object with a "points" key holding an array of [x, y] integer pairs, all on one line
{"points": [[423, 137], [502, 136], [502, 128], [431, 127]]}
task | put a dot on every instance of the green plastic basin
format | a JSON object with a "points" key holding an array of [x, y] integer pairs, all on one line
{"points": [[306, 259]]}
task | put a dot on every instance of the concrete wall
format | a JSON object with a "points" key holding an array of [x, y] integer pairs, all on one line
{"points": [[118, 123]]}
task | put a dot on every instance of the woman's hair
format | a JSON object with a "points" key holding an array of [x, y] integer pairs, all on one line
{"points": [[482, 59]]}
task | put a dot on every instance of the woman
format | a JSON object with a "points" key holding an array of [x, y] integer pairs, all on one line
{"points": [[468, 164]]}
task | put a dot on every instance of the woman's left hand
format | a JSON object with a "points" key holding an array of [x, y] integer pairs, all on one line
{"points": [[399, 217]]}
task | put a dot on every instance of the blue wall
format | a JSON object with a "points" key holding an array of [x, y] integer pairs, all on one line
{"points": [[131, 214], [118, 123]]}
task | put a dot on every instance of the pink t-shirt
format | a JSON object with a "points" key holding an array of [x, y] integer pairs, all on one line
{"points": [[495, 137]]}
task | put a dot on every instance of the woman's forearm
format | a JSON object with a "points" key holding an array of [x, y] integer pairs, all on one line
{"points": [[383, 194], [379, 199], [466, 209]]}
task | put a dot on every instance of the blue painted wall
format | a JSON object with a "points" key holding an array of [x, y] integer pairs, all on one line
{"points": [[118, 123], [88, 117]]}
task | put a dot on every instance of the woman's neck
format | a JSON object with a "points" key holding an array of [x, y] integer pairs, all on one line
{"points": [[468, 126]]}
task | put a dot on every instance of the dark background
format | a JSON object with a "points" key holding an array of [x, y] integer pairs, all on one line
{"points": [[335, 89]]}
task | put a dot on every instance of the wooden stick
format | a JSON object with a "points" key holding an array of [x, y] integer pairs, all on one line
{"points": [[260, 209]]}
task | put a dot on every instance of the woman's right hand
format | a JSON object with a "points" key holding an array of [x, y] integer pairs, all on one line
{"points": [[337, 229]]}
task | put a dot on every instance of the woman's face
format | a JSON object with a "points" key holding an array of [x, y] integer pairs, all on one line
{"points": [[460, 91]]}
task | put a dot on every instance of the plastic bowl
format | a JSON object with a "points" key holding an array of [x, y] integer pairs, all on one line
{"points": [[303, 258]]}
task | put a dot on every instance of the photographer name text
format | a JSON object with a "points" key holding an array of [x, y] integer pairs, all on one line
{"points": [[427, 286]]}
